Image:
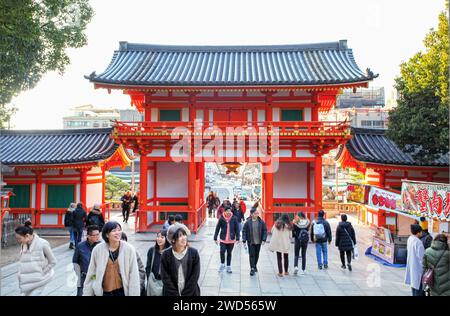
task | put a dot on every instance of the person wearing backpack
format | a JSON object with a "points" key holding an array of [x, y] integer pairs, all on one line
{"points": [[68, 221], [437, 257], [321, 234], [95, 217], [345, 241], [301, 236]]}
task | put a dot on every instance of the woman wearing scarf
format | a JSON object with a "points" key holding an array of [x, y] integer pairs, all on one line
{"points": [[228, 227]]}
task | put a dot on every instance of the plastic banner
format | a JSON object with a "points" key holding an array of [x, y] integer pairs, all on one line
{"points": [[426, 199]]}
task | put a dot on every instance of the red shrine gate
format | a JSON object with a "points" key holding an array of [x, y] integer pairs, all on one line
{"points": [[269, 98]]}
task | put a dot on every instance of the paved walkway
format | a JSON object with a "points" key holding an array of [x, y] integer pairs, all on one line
{"points": [[367, 278]]}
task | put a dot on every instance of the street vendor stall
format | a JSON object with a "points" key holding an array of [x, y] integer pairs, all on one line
{"points": [[429, 200]]}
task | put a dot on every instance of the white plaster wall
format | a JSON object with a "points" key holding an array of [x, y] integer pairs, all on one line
{"points": [[283, 153], [172, 179], [51, 172], [93, 194], [307, 114], [95, 170], [43, 195], [311, 189], [157, 153], [276, 114], [33, 195], [211, 116], [199, 115], [78, 193], [185, 115], [290, 180], [304, 153], [261, 115], [249, 115], [49, 219], [150, 177], [70, 172], [154, 114]]}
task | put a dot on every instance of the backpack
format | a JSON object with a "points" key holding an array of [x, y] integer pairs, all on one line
{"points": [[95, 220], [319, 231], [68, 219], [303, 236]]}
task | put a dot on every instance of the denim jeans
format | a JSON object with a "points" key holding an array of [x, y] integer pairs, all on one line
{"points": [[321, 248], [419, 292], [72, 236]]}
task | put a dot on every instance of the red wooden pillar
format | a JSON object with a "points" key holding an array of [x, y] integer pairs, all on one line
{"points": [[192, 218], [315, 107], [143, 182], [103, 187], [318, 184], [36, 216], [269, 198], [83, 186]]}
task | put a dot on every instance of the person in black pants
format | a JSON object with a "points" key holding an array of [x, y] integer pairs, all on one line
{"points": [[78, 223], [228, 227], [254, 233], [345, 241], [301, 227], [127, 199]]}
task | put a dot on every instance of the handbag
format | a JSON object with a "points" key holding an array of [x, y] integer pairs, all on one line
{"points": [[355, 252], [428, 276], [154, 286]]}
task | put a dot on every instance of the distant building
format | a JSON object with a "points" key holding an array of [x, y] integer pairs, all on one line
{"points": [[131, 115], [361, 98], [88, 116]]}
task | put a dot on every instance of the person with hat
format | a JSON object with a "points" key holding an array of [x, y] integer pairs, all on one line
{"points": [[180, 264], [228, 226], [425, 237], [254, 233]]}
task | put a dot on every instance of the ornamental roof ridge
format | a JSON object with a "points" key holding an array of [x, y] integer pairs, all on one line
{"points": [[339, 45]]}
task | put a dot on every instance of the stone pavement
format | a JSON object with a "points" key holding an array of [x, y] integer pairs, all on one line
{"points": [[367, 278]]}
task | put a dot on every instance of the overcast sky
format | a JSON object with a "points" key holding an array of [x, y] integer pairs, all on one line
{"points": [[382, 34]]}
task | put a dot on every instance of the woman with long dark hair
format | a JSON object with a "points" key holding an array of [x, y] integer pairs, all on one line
{"points": [[280, 242], [180, 264], [154, 260], [36, 261]]}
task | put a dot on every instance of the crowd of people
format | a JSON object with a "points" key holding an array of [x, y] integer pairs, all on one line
{"points": [[107, 265], [428, 262]]}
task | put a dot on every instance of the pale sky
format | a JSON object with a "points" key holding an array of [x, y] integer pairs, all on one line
{"points": [[382, 34]]}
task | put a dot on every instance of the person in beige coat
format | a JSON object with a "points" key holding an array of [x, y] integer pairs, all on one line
{"points": [[36, 261], [280, 242], [113, 270]]}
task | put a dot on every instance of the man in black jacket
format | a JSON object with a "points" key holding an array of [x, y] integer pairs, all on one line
{"points": [[321, 234], [78, 223], [255, 234], [82, 256]]}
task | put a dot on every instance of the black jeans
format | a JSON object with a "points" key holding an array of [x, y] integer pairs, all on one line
{"points": [[118, 292], [77, 234], [349, 256], [228, 248], [253, 251], [303, 246], [419, 292], [125, 212], [286, 262]]}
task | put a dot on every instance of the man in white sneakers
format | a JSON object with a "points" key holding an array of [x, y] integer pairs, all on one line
{"points": [[321, 234]]}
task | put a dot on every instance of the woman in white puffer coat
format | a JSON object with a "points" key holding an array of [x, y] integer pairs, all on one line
{"points": [[36, 261]]}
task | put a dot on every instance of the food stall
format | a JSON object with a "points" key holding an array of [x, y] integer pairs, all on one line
{"points": [[358, 194], [430, 200], [389, 240]]}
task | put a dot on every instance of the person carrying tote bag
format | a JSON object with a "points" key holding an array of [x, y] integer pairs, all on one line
{"points": [[155, 285]]}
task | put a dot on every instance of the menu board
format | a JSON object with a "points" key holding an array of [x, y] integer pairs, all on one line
{"points": [[426, 199], [383, 250], [356, 193]]}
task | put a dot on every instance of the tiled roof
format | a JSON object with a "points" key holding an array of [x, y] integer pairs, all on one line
{"points": [[165, 65], [56, 146], [371, 145]]}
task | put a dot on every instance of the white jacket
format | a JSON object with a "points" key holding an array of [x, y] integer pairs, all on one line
{"points": [[280, 241], [35, 265], [129, 272], [414, 269]]}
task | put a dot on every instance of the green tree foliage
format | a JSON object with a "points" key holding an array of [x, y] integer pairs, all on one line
{"points": [[34, 35], [115, 186], [420, 123]]}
